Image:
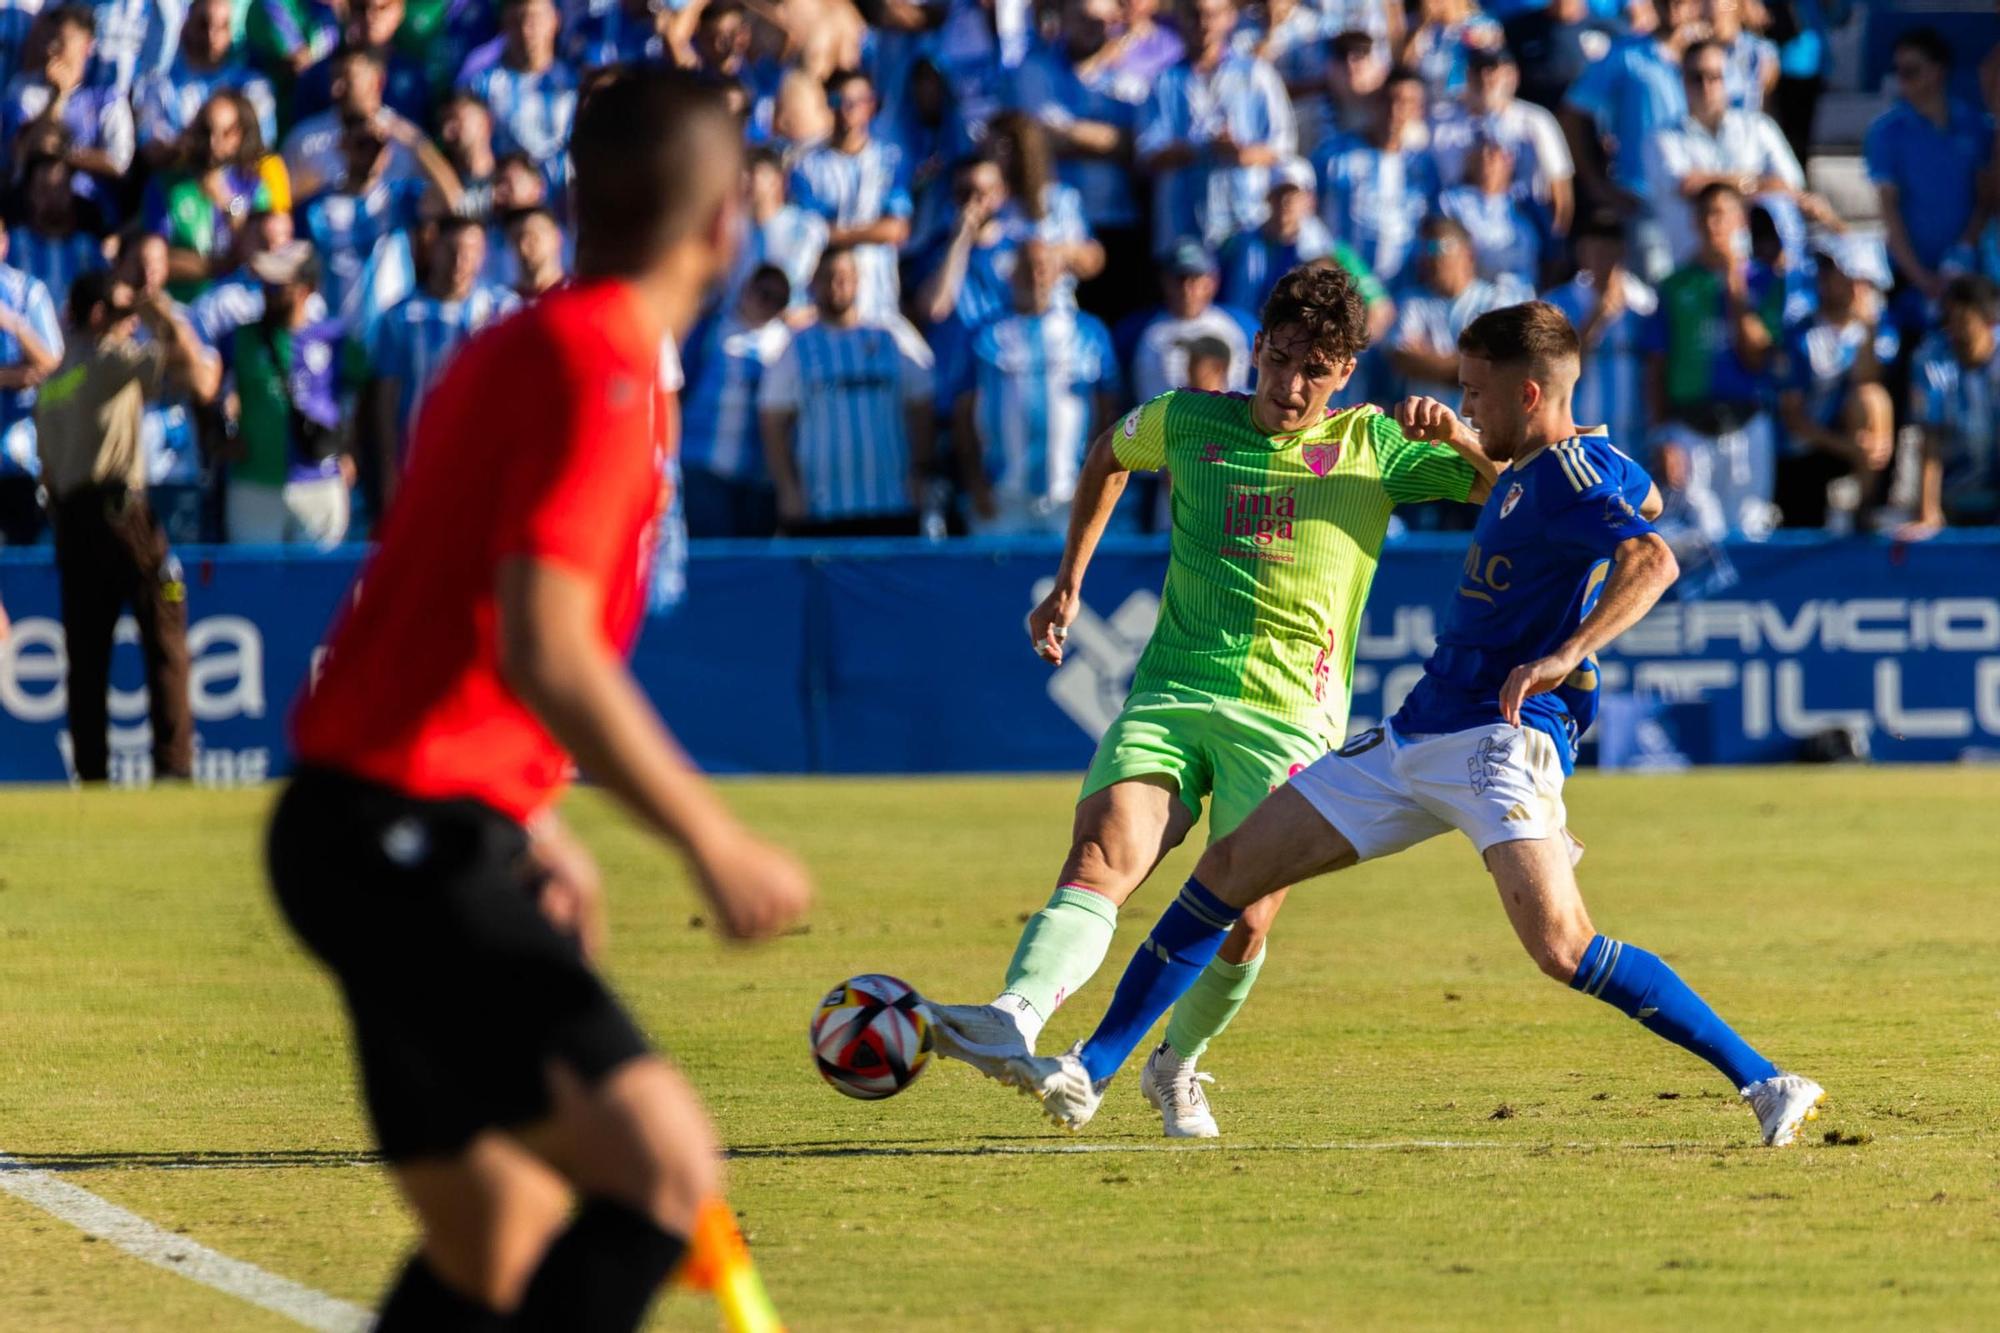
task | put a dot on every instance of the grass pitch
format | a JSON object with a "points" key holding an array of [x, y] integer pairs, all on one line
{"points": [[1421, 1130]]}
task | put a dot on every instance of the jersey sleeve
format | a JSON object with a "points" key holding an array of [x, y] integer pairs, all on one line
{"points": [[778, 391], [1593, 497], [572, 498], [1141, 440], [1417, 470]]}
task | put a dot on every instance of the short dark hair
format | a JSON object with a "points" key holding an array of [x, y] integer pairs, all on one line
{"points": [[87, 292], [1533, 333], [1927, 42], [357, 51], [456, 222], [1353, 42], [1439, 226], [1695, 48], [771, 274], [763, 155], [840, 78], [74, 16], [1973, 291], [1602, 225], [1712, 191], [1208, 347], [719, 9], [1326, 304], [654, 151], [1404, 74]]}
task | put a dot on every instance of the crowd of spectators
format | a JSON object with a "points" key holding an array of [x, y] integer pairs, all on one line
{"points": [[976, 229]]}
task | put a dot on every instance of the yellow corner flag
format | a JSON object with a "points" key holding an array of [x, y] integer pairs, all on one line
{"points": [[718, 1261]]}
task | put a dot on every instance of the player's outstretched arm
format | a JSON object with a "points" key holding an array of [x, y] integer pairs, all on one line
{"points": [[553, 654], [1429, 419], [1642, 568], [1097, 490]]}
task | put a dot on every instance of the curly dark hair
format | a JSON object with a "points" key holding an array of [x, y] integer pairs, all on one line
{"points": [[1324, 302]]}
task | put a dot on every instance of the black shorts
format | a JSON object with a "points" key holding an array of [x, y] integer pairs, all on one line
{"points": [[460, 991]]}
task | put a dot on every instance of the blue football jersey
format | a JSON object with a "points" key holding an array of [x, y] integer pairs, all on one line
{"points": [[1538, 561]]}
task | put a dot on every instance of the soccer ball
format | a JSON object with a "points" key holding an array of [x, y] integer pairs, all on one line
{"points": [[871, 1036]]}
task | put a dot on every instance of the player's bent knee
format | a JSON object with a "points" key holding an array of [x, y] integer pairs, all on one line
{"points": [[647, 1143]]}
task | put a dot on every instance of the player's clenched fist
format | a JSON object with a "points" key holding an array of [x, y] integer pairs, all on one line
{"points": [[1048, 624], [757, 889], [1428, 419]]}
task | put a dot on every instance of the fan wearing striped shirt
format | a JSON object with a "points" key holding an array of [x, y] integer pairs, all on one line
{"points": [[415, 339], [846, 416], [1044, 381]]}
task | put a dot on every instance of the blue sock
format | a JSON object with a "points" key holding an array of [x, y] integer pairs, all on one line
{"points": [[1639, 985], [1183, 941]]}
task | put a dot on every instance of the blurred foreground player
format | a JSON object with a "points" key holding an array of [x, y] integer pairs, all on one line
{"points": [[417, 851]]}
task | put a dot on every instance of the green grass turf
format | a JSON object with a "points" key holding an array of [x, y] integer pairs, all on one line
{"points": [[152, 1008]]}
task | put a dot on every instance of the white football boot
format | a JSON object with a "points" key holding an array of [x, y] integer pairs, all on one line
{"points": [[1784, 1102], [1060, 1084], [1174, 1089], [984, 1036]]}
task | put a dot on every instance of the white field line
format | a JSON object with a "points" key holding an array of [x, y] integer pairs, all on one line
{"points": [[177, 1254]]}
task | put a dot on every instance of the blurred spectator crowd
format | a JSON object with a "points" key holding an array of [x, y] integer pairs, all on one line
{"points": [[974, 230]]}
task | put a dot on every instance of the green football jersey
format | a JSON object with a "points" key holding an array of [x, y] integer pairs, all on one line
{"points": [[1275, 542]]}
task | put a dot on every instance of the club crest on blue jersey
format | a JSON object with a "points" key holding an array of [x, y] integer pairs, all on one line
{"points": [[1513, 498]]}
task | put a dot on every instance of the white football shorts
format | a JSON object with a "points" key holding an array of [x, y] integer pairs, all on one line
{"points": [[1384, 792]]}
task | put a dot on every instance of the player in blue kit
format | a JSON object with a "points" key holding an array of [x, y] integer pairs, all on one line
{"points": [[1564, 559]]}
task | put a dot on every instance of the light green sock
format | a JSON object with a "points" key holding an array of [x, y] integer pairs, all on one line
{"points": [[1206, 1010], [1062, 947]]}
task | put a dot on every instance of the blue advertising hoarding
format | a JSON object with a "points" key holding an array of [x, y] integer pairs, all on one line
{"points": [[893, 657]]}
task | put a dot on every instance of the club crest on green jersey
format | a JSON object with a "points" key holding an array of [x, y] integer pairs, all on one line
{"points": [[1320, 457]]}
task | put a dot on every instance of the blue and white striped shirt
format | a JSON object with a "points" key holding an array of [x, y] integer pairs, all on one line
{"points": [[95, 118], [1374, 198], [853, 190], [1611, 391], [414, 341], [1252, 263], [597, 33], [16, 18], [1428, 321], [719, 410], [167, 435], [1504, 236], [134, 38], [1036, 379], [1634, 91], [1818, 361], [531, 112], [792, 239], [167, 103], [849, 388], [56, 260], [1048, 88], [28, 298], [1961, 406], [345, 229], [235, 300], [1242, 96]]}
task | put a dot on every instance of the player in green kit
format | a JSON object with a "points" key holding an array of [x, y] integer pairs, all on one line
{"points": [[1279, 507]]}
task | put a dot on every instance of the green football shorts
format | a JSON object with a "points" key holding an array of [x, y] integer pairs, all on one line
{"points": [[1219, 750]]}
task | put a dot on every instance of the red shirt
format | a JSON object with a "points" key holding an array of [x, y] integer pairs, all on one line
{"points": [[544, 438]]}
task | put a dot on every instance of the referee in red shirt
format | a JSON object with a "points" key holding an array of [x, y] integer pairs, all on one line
{"points": [[417, 851]]}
